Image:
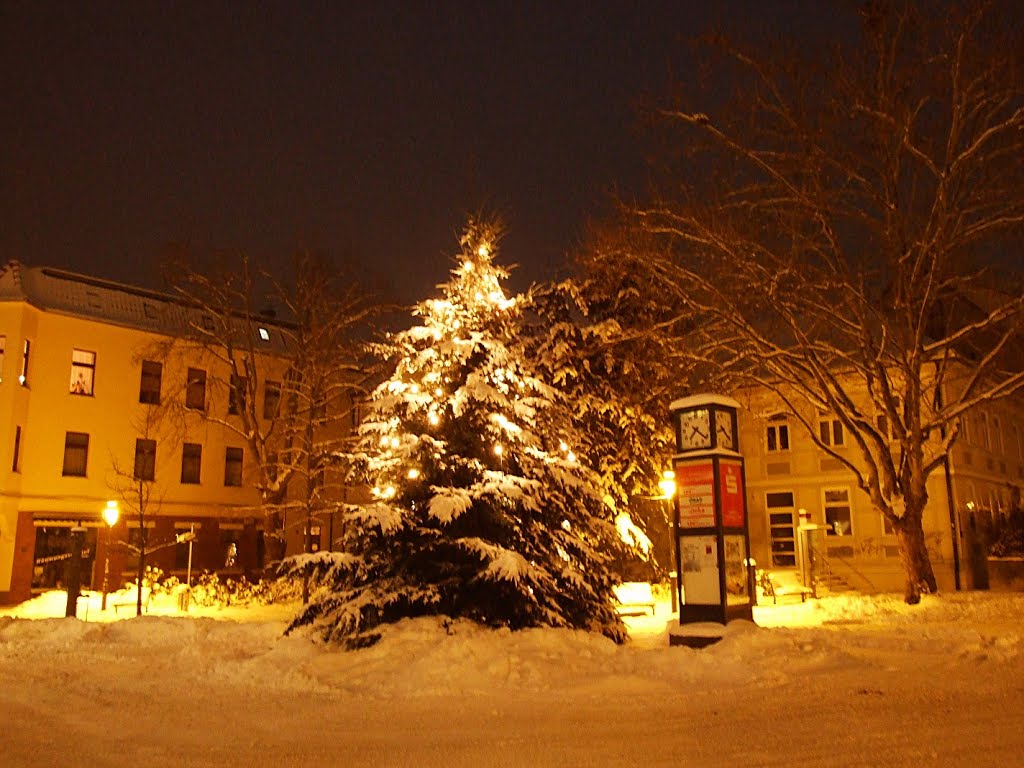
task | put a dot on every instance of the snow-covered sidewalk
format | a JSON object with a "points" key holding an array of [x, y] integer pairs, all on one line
{"points": [[839, 681]]}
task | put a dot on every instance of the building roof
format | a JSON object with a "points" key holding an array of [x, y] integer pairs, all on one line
{"points": [[57, 290]]}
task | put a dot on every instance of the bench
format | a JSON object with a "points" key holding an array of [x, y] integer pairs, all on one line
{"points": [[775, 591], [635, 598], [131, 600]]}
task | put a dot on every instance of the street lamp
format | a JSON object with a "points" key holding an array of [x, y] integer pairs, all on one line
{"points": [[110, 514], [667, 484]]}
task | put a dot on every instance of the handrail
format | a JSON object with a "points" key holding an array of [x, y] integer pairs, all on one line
{"points": [[815, 552]]}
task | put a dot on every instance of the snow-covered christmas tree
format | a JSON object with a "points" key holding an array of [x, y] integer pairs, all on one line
{"points": [[480, 508]]}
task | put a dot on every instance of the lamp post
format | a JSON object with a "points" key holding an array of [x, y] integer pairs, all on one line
{"points": [[667, 484], [110, 514]]}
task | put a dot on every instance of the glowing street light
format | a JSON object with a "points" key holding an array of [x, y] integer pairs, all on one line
{"points": [[110, 514], [667, 485]]}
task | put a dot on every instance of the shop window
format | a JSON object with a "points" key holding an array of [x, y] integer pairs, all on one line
{"points": [[777, 434], [145, 459], [191, 463], [233, 467], [195, 390], [149, 383], [83, 372], [838, 515], [76, 454], [782, 528]]}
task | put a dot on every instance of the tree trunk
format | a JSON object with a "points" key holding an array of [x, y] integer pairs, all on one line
{"points": [[917, 566]]}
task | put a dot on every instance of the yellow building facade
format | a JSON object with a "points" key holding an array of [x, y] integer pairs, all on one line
{"points": [[83, 396], [800, 497]]}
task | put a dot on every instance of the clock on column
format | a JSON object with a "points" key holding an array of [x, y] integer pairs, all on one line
{"points": [[695, 429]]}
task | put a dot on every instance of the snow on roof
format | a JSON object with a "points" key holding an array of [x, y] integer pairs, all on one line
{"points": [[58, 290]]}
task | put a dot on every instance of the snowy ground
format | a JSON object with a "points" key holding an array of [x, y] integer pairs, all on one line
{"points": [[842, 681]]}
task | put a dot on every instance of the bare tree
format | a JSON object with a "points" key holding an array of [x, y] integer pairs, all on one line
{"points": [[135, 482], [291, 383], [840, 236]]}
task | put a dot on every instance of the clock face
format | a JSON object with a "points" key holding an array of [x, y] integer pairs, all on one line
{"points": [[695, 429], [724, 431]]}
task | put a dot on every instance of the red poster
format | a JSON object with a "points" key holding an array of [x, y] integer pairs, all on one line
{"points": [[696, 492], [730, 484]]}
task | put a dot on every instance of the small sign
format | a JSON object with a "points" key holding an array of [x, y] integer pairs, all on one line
{"points": [[696, 493], [731, 488]]}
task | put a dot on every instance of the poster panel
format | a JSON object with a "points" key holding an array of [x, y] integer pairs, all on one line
{"points": [[698, 556], [736, 570], [696, 493], [730, 485]]}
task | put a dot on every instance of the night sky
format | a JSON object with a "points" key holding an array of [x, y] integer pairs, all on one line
{"points": [[368, 131]]}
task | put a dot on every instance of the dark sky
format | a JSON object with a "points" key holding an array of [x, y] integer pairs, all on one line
{"points": [[367, 130]]}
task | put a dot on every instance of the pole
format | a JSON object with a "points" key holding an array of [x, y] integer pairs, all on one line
{"points": [[188, 572], [106, 571], [75, 571]]}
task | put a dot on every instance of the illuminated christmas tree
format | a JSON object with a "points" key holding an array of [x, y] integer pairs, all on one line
{"points": [[480, 508]]}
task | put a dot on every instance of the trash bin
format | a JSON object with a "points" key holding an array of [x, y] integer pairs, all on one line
{"points": [[184, 598]]}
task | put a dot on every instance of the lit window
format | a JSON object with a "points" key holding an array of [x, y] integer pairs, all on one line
{"points": [[76, 454], [195, 390], [25, 352], [264, 334], [233, 467], [838, 516], [145, 459], [149, 383], [831, 432], [191, 463], [83, 372]]}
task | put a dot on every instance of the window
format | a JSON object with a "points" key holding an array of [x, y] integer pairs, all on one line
{"points": [[997, 435], [983, 430], [16, 461], [149, 383], [76, 454], [83, 371], [838, 516], [965, 428], [233, 467], [1017, 440], [778, 434], [271, 399], [3, 347], [831, 432], [25, 353], [145, 459], [264, 334], [191, 462], [236, 395], [782, 528], [195, 390]]}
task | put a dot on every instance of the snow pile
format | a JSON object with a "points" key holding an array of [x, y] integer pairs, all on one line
{"points": [[819, 683]]}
